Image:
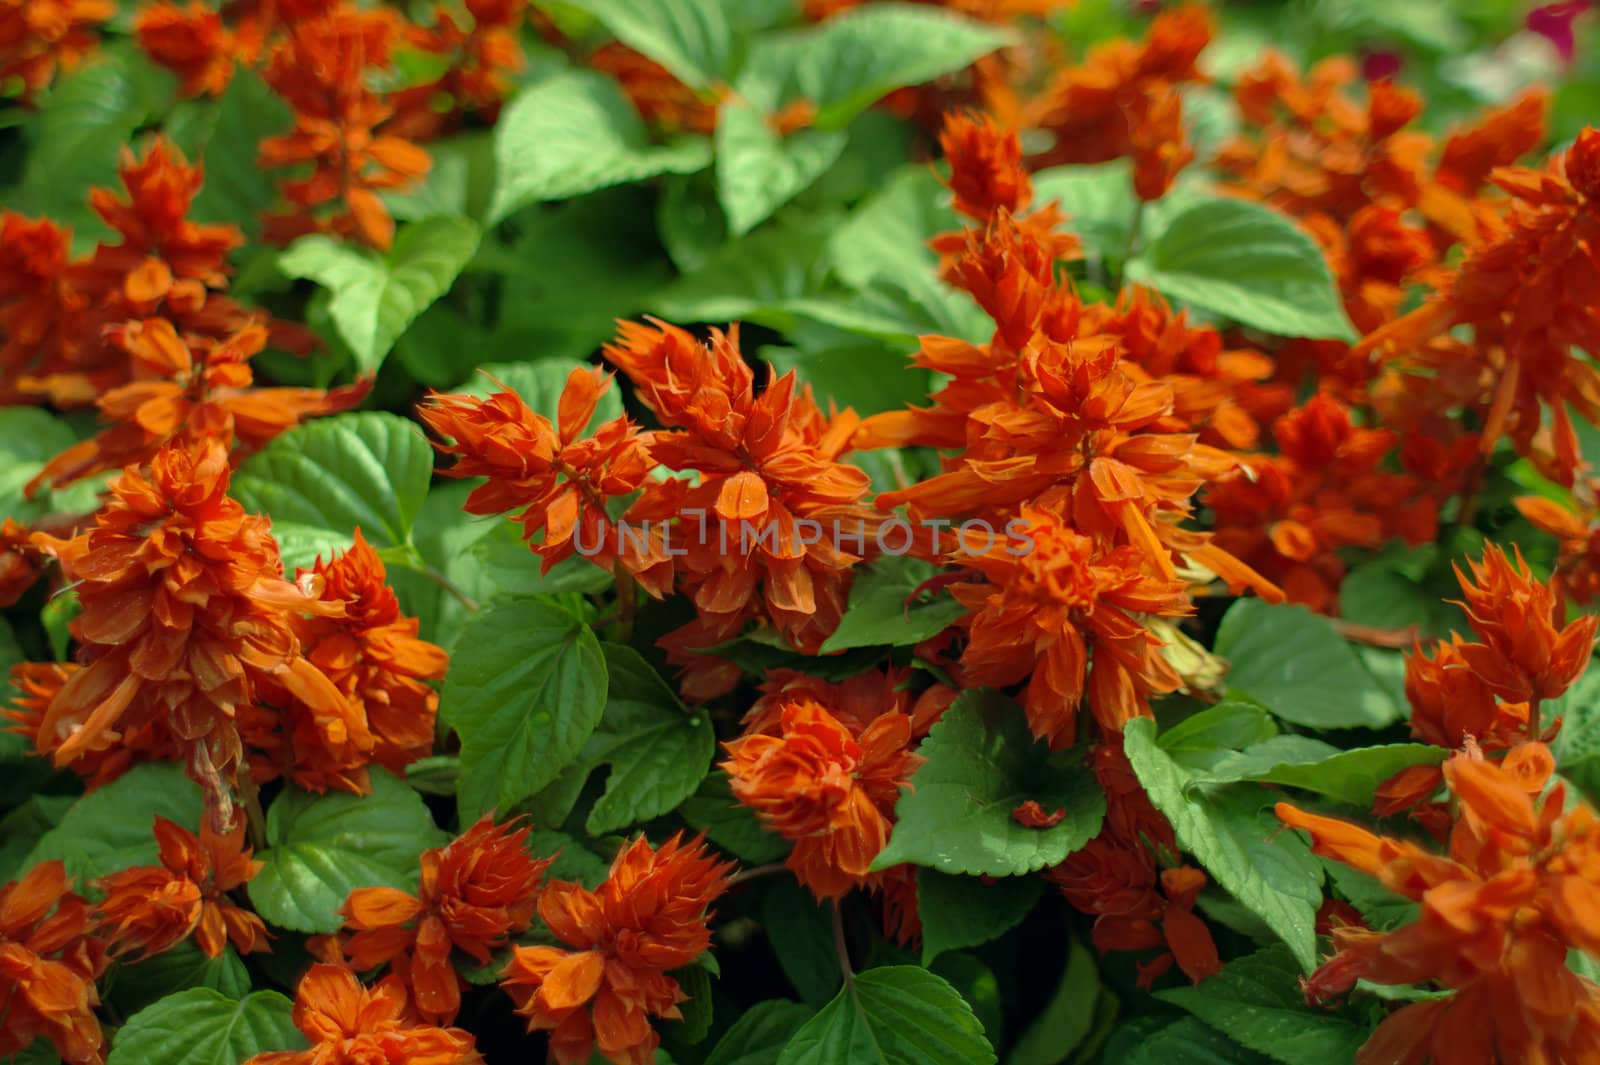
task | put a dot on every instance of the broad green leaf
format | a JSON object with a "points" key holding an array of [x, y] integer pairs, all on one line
{"points": [[895, 1015], [1233, 834], [800, 930], [696, 40], [112, 828], [321, 481], [206, 1027], [868, 377], [878, 614], [963, 911], [1098, 200], [182, 967], [758, 1036], [1246, 262], [573, 133], [1257, 1001], [1298, 666], [729, 823], [854, 59], [459, 182], [758, 170], [1348, 776], [570, 858], [375, 297], [976, 983], [31, 816], [1228, 725], [525, 692], [322, 847], [1377, 594], [1577, 745], [500, 565], [1383, 909], [237, 189], [1154, 1041], [29, 437], [755, 277], [1066, 1019], [982, 763], [657, 749]]}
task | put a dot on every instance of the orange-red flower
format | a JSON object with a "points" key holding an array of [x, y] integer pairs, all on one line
{"points": [[39, 37], [39, 330], [371, 653], [1498, 916], [320, 67], [1577, 576], [481, 59], [648, 917], [149, 909], [475, 893], [348, 1024], [185, 616], [557, 479], [193, 43], [48, 966], [828, 787]]}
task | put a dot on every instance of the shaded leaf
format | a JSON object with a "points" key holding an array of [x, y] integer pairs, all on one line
{"points": [[963, 911]]}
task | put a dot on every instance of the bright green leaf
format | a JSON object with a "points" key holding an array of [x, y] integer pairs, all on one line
{"points": [[1249, 263], [525, 692], [205, 1027], [110, 829], [758, 170], [375, 297], [324, 479], [963, 911], [1348, 776], [896, 1015], [1297, 665], [574, 133], [29, 437], [878, 614], [1098, 200], [1257, 1001], [729, 823], [982, 763], [321, 847], [237, 188], [694, 39], [1232, 832]]}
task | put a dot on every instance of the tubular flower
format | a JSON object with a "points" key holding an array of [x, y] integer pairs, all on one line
{"points": [[201, 388], [1577, 576], [19, 562], [40, 37], [474, 894], [39, 330], [854, 702], [1498, 916], [555, 478], [49, 964], [648, 917], [1128, 879], [348, 1024], [372, 655], [149, 909], [193, 43], [38, 683], [481, 58], [185, 616], [1061, 613], [828, 787], [769, 485], [1527, 321], [320, 68]]}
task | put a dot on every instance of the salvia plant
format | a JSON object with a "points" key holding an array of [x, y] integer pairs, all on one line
{"points": [[799, 532]]}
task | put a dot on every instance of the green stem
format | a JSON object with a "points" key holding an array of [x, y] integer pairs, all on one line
{"points": [[840, 948]]}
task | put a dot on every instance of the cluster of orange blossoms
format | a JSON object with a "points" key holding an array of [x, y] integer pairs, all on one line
{"points": [[38, 38], [650, 916], [49, 962], [1498, 917], [1485, 695]]}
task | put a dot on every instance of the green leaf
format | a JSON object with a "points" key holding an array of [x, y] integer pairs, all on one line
{"points": [[1098, 200], [657, 749], [758, 1036], [540, 384], [1383, 909], [182, 967], [730, 824], [25, 823], [869, 377], [896, 1015], [1184, 1042], [322, 847], [112, 827], [977, 984], [1577, 745], [855, 59], [1234, 835], [757, 276], [1247, 262], [1228, 725], [982, 763], [1297, 665], [963, 911], [500, 565], [324, 479], [375, 297], [1348, 776], [29, 438], [237, 189], [759, 171], [205, 1027], [877, 613], [573, 133], [694, 39], [800, 930], [1066, 1019], [1257, 1001], [525, 692], [459, 182], [1376, 594]]}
